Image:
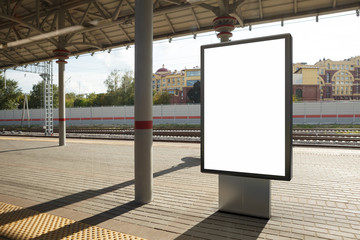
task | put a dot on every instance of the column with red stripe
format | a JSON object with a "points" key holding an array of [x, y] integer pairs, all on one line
{"points": [[61, 55], [143, 101]]}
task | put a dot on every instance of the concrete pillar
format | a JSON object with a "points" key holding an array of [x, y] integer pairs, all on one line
{"points": [[61, 53], [143, 101]]}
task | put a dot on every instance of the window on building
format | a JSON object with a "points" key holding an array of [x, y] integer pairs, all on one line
{"points": [[190, 83], [328, 94], [193, 73], [358, 62], [328, 66], [328, 78]]}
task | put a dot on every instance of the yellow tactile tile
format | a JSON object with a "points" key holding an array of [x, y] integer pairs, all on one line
{"points": [[24, 224]]}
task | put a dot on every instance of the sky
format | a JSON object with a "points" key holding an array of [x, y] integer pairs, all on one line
{"points": [[334, 36]]}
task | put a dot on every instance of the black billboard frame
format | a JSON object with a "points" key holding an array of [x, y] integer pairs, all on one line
{"points": [[288, 108]]}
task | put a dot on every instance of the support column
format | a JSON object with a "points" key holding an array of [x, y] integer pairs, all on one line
{"points": [[241, 195], [143, 101], [61, 53]]}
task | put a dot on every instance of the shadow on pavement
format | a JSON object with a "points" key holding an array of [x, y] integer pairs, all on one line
{"points": [[26, 149], [221, 226], [70, 229]]}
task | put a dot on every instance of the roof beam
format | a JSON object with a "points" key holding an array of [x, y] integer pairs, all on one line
{"points": [[106, 37], [195, 18], [17, 35], [238, 17], [308, 13], [117, 11], [52, 9], [156, 4], [100, 10], [177, 2], [132, 9], [37, 13], [260, 10], [169, 23], [334, 3], [215, 10], [295, 7], [85, 13], [16, 20], [9, 57], [223, 7], [17, 4], [125, 33], [69, 44]]}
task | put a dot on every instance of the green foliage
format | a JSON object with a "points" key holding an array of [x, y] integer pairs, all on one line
{"points": [[70, 99], [194, 94], [120, 89], [161, 98], [36, 97], [10, 97]]}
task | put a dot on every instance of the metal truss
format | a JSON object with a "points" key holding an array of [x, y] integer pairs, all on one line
{"points": [[29, 29], [45, 70]]}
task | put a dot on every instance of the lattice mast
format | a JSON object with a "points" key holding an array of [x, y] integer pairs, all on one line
{"points": [[45, 70]]}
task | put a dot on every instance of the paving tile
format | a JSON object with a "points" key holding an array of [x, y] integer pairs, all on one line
{"points": [[95, 178]]}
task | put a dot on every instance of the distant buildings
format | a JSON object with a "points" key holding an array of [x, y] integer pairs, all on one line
{"points": [[327, 80], [176, 83]]}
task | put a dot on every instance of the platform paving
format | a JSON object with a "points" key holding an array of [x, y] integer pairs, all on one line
{"points": [[91, 181]]}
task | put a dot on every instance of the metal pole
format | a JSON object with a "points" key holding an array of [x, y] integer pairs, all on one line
{"points": [[143, 101], [62, 117], [62, 54]]}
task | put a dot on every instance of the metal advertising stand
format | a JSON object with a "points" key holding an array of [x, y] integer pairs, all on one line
{"points": [[232, 149]]}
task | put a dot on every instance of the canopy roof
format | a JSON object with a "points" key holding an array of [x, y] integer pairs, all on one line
{"points": [[29, 28]]}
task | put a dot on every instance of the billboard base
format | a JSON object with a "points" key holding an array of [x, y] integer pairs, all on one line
{"points": [[245, 196]]}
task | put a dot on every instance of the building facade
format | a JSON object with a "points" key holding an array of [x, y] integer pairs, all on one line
{"points": [[328, 80], [176, 83]]}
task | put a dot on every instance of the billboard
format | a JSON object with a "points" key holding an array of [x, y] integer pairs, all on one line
{"points": [[244, 82]]}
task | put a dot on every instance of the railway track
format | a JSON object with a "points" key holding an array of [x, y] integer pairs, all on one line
{"points": [[315, 137]]}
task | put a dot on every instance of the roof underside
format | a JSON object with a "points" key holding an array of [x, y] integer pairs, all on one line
{"points": [[29, 28]]}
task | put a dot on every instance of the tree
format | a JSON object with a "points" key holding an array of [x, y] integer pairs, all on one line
{"points": [[194, 93], [161, 98], [120, 89], [113, 81], [36, 98], [127, 89], [70, 99], [10, 96]]}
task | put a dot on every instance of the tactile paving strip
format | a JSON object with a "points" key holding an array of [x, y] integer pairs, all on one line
{"points": [[19, 223]]}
